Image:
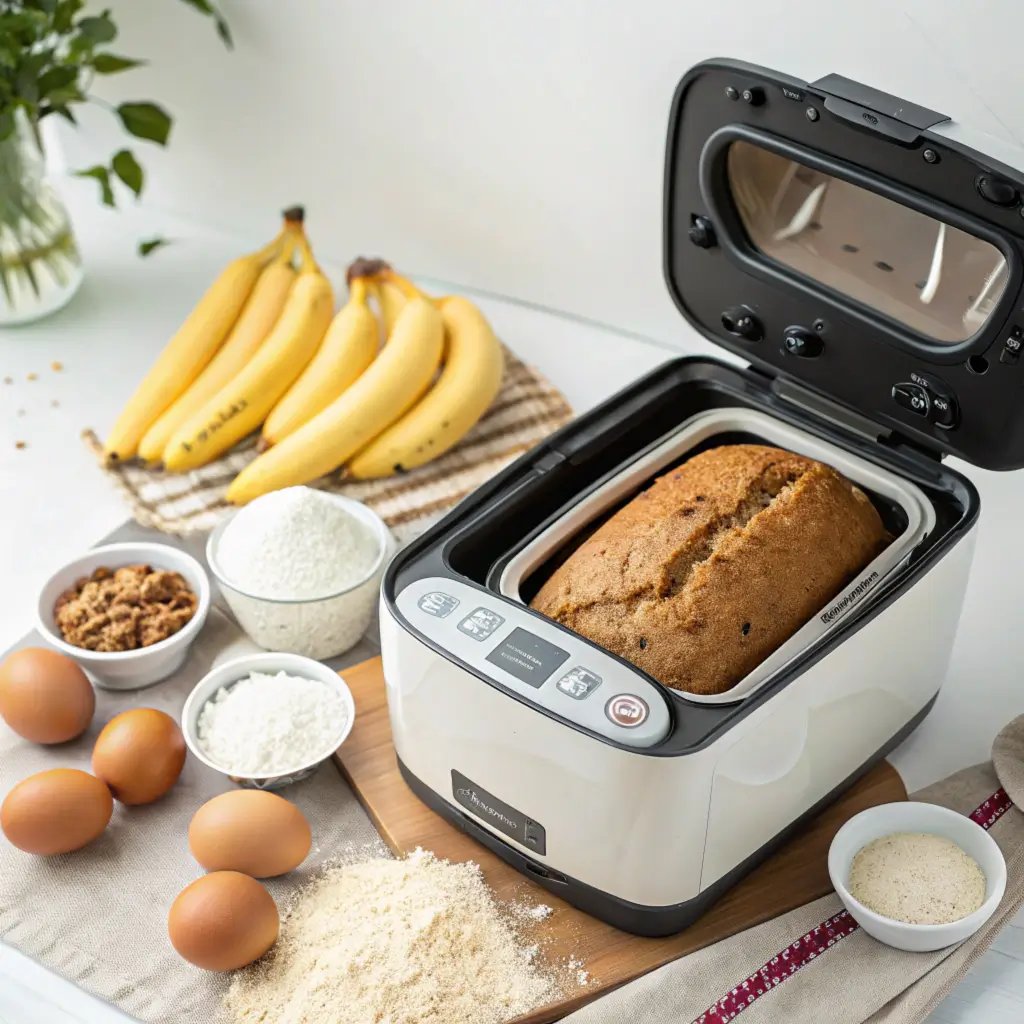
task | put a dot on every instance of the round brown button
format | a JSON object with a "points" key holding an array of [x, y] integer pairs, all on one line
{"points": [[627, 710]]}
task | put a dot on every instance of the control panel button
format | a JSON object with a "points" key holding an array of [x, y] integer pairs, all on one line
{"points": [[579, 682], [437, 604], [996, 191], [702, 232], [912, 397], [627, 710], [802, 343], [943, 411], [481, 624], [1012, 347], [741, 322]]}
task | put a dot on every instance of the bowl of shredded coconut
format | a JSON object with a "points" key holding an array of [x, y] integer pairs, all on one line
{"points": [[301, 569], [917, 876], [268, 720]]}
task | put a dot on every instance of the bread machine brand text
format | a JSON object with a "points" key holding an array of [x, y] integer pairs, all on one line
{"points": [[468, 795], [840, 606]]}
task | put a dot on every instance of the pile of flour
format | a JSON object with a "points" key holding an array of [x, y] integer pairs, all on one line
{"points": [[413, 941]]}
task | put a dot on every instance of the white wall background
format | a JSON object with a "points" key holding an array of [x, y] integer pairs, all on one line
{"points": [[514, 146]]}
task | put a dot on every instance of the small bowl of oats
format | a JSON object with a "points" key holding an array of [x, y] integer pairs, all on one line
{"points": [[127, 613]]}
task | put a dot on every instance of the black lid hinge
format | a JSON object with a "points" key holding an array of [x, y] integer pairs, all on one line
{"points": [[876, 111], [823, 408]]}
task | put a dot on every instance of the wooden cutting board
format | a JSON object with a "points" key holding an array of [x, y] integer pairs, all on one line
{"points": [[796, 875]]}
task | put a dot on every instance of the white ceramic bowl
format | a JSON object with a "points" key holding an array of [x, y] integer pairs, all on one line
{"points": [[239, 668], [928, 819], [127, 670], [322, 627]]}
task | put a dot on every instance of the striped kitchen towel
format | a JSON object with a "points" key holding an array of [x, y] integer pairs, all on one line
{"points": [[815, 964], [527, 409]]}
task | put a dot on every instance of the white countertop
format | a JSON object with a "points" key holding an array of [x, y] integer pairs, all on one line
{"points": [[54, 503]]}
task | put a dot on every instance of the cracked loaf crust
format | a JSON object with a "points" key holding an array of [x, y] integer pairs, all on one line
{"points": [[700, 577]]}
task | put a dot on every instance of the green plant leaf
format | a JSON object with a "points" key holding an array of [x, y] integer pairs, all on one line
{"points": [[146, 121], [58, 77], [6, 125], [127, 168], [97, 29], [207, 8], [145, 248], [64, 17], [47, 109], [224, 31], [48, 6], [102, 175], [111, 63], [62, 97], [26, 79]]}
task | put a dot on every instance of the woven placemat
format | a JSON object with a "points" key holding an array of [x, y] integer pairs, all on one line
{"points": [[527, 409]]}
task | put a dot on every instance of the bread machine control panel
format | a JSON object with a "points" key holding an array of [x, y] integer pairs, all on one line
{"points": [[538, 661]]}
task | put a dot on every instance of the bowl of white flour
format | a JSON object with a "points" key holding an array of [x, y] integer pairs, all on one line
{"points": [[301, 569], [268, 720], [917, 876]]}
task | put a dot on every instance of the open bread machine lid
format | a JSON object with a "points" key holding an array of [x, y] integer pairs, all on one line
{"points": [[838, 240]]}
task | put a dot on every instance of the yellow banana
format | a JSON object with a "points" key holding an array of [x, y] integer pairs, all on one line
{"points": [[395, 381], [348, 349], [241, 406], [187, 353], [467, 386], [392, 301], [261, 312]]}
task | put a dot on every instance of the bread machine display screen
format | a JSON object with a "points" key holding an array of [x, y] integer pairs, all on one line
{"points": [[931, 277], [527, 657]]}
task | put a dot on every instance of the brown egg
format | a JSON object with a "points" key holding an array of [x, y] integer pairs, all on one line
{"points": [[44, 696], [139, 755], [56, 811], [223, 921], [249, 830]]}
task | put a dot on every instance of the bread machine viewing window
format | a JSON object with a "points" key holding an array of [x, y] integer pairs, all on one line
{"points": [[930, 276]]}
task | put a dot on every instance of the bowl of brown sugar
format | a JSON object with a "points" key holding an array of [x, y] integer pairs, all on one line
{"points": [[127, 613]]}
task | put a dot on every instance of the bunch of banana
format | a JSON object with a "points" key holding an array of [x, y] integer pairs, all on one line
{"points": [[399, 412], [194, 345], [242, 404]]}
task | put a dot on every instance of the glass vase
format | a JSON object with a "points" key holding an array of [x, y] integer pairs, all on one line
{"points": [[40, 265]]}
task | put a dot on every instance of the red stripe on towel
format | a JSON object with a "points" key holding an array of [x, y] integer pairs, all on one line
{"points": [[992, 809], [810, 946]]}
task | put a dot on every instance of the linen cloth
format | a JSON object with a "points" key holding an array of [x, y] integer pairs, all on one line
{"points": [[98, 916], [850, 978]]}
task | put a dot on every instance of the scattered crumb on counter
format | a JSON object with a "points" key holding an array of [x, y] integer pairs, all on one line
{"points": [[21, 412], [20, 444], [33, 376], [57, 367], [8, 380], [55, 403]]}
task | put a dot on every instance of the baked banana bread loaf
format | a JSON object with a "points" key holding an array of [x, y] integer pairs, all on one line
{"points": [[701, 576]]}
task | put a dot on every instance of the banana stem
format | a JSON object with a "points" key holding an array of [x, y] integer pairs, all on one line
{"points": [[288, 251], [271, 249], [309, 264], [407, 287], [359, 289]]}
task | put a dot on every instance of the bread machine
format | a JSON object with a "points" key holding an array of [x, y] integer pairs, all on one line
{"points": [[867, 265]]}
